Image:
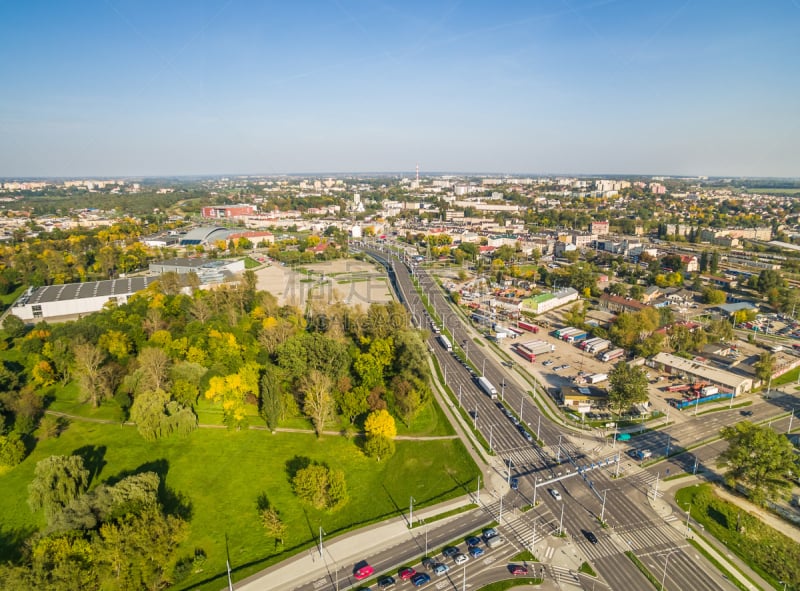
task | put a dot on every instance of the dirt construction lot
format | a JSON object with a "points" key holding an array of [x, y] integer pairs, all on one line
{"points": [[349, 281]]}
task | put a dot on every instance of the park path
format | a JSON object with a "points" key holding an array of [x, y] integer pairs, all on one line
{"points": [[72, 417]]}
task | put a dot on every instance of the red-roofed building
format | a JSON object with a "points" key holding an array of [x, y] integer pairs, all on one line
{"points": [[614, 303]]}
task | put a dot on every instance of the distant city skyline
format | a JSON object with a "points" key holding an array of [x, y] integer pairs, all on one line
{"points": [[124, 88]]}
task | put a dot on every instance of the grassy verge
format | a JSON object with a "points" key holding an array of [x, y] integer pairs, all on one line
{"points": [[640, 565], [586, 568], [511, 583], [731, 577], [445, 515], [524, 555], [771, 554], [676, 476]]}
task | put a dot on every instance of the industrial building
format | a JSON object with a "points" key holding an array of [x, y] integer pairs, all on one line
{"points": [[549, 301], [71, 300], [725, 380]]}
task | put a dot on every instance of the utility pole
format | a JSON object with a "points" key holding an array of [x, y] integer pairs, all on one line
{"points": [[459, 396], [483, 371], [490, 438], [791, 417], [558, 451], [561, 522], [603, 509], [502, 388], [655, 487], [478, 491], [538, 426], [411, 501], [321, 531], [688, 514]]}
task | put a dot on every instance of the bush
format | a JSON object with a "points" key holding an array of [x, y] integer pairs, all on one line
{"points": [[12, 450]]}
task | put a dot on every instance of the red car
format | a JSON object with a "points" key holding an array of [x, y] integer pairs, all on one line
{"points": [[407, 573], [518, 569], [363, 572]]}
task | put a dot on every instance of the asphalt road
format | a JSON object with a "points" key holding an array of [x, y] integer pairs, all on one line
{"points": [[578, 511]]}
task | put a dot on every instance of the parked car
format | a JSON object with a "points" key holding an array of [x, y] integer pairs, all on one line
{"points": [[407, 573], [489, 532], [473, 541], [514, 483], [450, 551], [440, 568], [419, 579], [460, 559], [476, 551], [386, 582]]}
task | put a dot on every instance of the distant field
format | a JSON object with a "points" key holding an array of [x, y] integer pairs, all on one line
{"points": [[795, 191]]}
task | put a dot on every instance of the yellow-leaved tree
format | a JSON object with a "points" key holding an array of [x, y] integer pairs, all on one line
{"points": [[232, 392]]}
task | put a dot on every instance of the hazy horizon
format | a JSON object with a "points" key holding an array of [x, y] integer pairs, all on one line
{"points": [[129, 88]]}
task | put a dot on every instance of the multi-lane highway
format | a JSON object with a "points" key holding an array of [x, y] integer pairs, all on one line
{"points": [[632, 525]]}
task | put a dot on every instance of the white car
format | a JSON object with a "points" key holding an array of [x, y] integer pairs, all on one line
{"points": [[460, 558], [555, 494]]}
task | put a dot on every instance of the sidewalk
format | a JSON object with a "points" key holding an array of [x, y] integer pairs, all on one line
{"points": [[343, 552]]}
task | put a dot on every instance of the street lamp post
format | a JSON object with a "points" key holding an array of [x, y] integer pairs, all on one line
{"points": [[558, 451], [538, 427], [502, 388], [603, 509], [522, 404], [490, 437], [411, 511], [688, 516], [666, 561], [561, 521], [459, 396]]}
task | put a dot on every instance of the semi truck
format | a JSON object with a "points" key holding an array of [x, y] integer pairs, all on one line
{"points": [[538, 347], [612, 355], [487, 387], [528, 326], [445, 342], [567, 333], [577, 337], [559, 333], [589, 342], [598, 347], [597, 378]]}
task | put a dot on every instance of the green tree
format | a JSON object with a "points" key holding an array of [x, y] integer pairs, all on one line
{"points": [[713, 263], [627, 386], [274, 526], [353, 403], [13, 326], [765, 366], [760, 459], [769, 279], [91, 373], [379, 447], [57, 481], [714, 296], [156, 416], [12, 450], [272, 407], [318, 404], [320, 486]]}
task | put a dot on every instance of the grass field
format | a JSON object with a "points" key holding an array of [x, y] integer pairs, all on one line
{"points": [[771, 554], [221, 473]]}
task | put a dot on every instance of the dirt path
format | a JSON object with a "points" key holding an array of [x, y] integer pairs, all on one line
{"points": [[71, 417]]}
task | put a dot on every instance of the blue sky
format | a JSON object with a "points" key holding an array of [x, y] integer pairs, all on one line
{"points": [[134, 87]]}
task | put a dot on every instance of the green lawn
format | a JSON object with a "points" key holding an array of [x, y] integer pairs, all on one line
{"points": [[221, 473], [10, 298], [768, 552], [251, 263]]}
